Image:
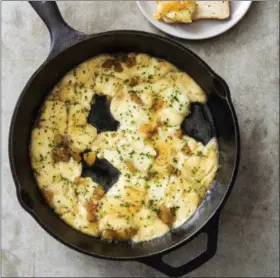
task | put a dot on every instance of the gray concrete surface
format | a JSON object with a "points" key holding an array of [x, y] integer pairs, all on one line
{"points": [[247, 57]]}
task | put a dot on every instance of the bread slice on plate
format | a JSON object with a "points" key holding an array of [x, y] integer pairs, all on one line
{"points": [[188, 11], [211, 10]]}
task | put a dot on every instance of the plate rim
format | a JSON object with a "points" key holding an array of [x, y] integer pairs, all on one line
{"points": [[147, 16]]}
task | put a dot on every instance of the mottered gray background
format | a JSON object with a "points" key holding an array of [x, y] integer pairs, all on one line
{"points": [[246, 57]]}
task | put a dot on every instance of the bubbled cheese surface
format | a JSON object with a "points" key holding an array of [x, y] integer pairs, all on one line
{"points": [[164, 174]]}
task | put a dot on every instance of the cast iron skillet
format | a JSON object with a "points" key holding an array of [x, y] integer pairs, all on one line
{"points": [[69, 48]]}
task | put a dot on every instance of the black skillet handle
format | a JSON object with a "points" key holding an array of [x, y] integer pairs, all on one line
{"points": [[211, 229], [62, 35]]}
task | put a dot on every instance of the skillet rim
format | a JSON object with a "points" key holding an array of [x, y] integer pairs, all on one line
{"points": [[228, 101]]}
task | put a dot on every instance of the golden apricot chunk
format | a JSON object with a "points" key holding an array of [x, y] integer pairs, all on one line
{"points": [[98, 194], [89, 158], [91, 210], [48, 195], [108, 234], [165, 215], [125, 235], [61, 153], [147, 130], [130, 167], [121, 235], [179, 133], [159, 104], [58, 139], [136, 99]]}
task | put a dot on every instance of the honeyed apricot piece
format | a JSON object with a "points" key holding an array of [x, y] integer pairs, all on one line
{"points": [[130, 167], [98, 194], [136, 99], [48, 195], [89, 158], [91, 210], [121, 235], [165, 215], [179, 133]]}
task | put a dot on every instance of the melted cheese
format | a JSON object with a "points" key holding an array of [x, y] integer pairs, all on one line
{"points": [[158, 165], [70, 170], [81, 137], [149, 225], [175, 11]]}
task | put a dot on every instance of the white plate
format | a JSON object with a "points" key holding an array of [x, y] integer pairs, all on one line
{"points": [[198, 30]]}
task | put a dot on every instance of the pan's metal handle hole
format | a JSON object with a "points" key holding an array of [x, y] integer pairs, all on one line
{"points": [[187, 252], [26, 200]]}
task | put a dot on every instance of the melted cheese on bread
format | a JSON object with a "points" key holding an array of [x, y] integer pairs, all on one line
{"points": [[175, 11]]}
